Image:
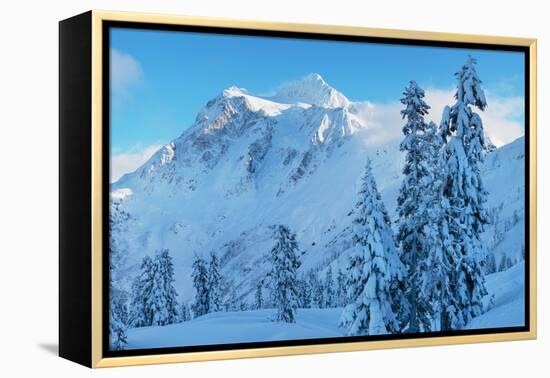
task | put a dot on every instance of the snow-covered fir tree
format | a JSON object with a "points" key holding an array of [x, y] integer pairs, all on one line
{"points": [[214, 285], [184, 313], [162, 302], [118, 298], [329, 297], [435, 282], [462, 130], [305, 292], [117, 332], [118, 317], [284, 282], [140, 315], [315, 290], [374, 271], [506, 262], [200, 283], [340, 288], [412, 205], [259, 296], [232, 302], [491, 266]]}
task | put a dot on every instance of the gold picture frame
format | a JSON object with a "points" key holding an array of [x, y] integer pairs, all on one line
{"points": [[91, 266]]}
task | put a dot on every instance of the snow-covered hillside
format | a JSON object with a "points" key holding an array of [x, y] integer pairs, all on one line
{"points": [[504, 174], [239, 327], [251, 162], [506, 309], [506, 302]]}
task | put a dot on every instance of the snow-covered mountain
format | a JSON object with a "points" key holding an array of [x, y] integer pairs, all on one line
{"points": [[250, 162]]}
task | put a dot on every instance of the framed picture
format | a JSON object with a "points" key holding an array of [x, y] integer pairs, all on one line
{"points": [[236, 189]]}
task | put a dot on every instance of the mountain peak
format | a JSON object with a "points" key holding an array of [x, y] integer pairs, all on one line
{"points": [[311, 89], [234, 91], [315, 77]]}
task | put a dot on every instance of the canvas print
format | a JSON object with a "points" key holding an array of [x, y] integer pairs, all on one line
{"points": [[271, 189]]}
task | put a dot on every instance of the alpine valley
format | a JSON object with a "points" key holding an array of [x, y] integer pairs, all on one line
{"points": [[250, 163]]}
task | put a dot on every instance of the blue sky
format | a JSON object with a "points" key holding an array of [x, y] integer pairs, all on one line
{"points": [[160, 79]]}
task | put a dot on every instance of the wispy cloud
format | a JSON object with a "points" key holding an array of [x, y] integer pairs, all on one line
{"points": [[129, 161], [126, 71], [383, 121], [502, 119]]}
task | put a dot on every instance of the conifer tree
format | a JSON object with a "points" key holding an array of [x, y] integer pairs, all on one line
{"points": [[284, 263], [118, 311], [412, 204], [200, 283], [117, 332], [184, 313], [162, 302], [374, 271], [140, 314], [340, 288], [259, 296], [305, 292], [462, 130], [491, 264], [117, 315], [329, 289], [316, 291], [232, 302], [214, 285], [436, 283], [312, 284]]}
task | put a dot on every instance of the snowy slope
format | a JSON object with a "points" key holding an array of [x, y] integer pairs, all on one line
{"points": [[508, 303], [238, 327], [507, 310], [250, 162], [504, 175]]}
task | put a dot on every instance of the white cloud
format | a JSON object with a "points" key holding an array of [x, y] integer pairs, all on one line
{"points": [[502, 119], [125, 72], [383, 121], [129, 161]]}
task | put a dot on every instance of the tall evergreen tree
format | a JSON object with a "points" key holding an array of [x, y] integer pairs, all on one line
{"points": [[140, 314], [374, 270], [491, 266], [200, 282], [340, 288], [412, 207], [436, 284], [462, 129], [118, 311], [259, 296], [329, 297], [232, 302], [284, 283], [305, 292], [214, 284], [162, 302], [117, 317], [316, 291], [117, 331], [184, 313]]}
